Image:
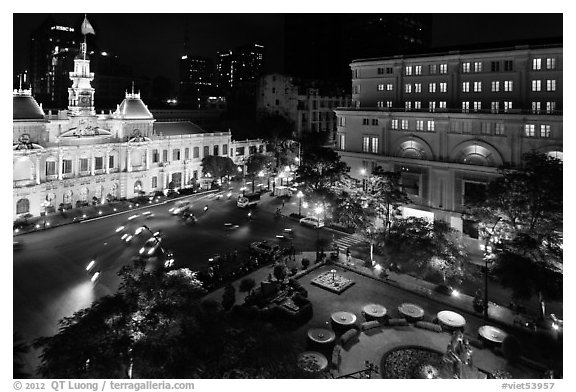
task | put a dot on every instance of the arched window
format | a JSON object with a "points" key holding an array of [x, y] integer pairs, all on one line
{"points": [[22, 206], [556, 154]]}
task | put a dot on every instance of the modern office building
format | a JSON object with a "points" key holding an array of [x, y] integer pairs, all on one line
{"points": [[242, 64], [447, 121], [308, 104], [76, 156], [197, 81]]}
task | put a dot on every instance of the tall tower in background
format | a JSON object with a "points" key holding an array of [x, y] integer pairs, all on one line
{"points": [[244, 63]]}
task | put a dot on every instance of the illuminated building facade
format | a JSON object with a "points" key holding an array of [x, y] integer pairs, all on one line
{"points": [[447, 121], [74, 157], [245, 63], [197, 80]]}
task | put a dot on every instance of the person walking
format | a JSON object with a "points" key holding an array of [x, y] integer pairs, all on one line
{"points": [[348, 255]]}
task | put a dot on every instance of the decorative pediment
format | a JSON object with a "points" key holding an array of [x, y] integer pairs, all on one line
{"points": [[86, 131]]}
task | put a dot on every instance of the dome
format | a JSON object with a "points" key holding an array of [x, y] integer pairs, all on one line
{"points": [[25, 106], [132, 108]]}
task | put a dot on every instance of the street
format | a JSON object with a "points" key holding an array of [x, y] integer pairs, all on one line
{"points": [[50, 277]]}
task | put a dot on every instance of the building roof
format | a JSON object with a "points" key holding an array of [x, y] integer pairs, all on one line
{"points": [[132, 108], [174, 128], [25, 107]]}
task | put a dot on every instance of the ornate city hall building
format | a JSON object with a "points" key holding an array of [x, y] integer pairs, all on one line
{"points": [[76, 156], [447, 121]]}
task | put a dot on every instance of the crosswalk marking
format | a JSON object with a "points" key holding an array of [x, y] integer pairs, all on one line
{"points": [[349, 241]]}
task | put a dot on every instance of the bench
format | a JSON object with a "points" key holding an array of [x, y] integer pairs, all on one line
{"points": [[397, 322], [428, 326], [348, 336], [369, 325], [336, 356]]}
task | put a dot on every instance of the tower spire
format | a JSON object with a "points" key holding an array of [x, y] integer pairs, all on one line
{"points": [[132, 87]]}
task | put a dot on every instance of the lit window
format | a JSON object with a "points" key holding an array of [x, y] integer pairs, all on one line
{"points": [[394, 124], [443, 87], [380, 87], [443, 68], [342, 141], [550, 107], [465, 87], [499, 129], [418, 70], [432, 68], [536, 64], [485, 129], [374, 145], [432, 106], [407, 105], [418, 87], [380, 104], [83, 164], [536, 85], [409, 70], [544, 130], [432, 87], [495, 86], [408, 88], [529, 130], [508, 85], [477, 66], [404, 125], [507, 106], [495, 107], [419, 125], [442, 104], [465, 67], [550, 85], [431, 126], [389, 104], [465, 107], [417, 105], [365, 144], [477, 87], [477, 106], [550, 63], [50, 168], [536, 107], [389, 87]]}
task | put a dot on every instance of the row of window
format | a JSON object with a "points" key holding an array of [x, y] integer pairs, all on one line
{"points": [[507, 86], [530, 130], [404, 125], [410, 70], [84, 165]]}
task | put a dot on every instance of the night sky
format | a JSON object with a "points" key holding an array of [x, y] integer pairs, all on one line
{"points": [[153, 43]]}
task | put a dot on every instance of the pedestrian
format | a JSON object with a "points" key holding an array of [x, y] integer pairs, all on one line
{"points": [[348, 255], [282, 203]]}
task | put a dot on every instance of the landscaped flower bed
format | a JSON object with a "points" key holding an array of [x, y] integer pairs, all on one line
{"points": [[412, 362], [332, 282]]}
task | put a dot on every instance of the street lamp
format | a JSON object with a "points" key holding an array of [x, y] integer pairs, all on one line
{"points": [[318, 211], [299, 195], [488, 236], [363, 173]]}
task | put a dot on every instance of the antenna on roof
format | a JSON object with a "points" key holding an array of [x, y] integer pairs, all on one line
{"points": [[20, 76], [132, 87]]}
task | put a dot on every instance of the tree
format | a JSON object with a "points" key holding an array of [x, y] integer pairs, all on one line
{"points": [[218, 166], [20, 348], [350, 211], [279, 272], [321, 168], [258, 163], [385, 194], [520, 218], [423, 245], [246, 285], [278, 131]]}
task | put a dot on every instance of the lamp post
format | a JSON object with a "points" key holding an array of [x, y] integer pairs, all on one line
{"points": [[363, 172], [488, 236], [318, 211], [299, 195], [260, 176]]}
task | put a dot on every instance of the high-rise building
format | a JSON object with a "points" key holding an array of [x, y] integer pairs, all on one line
{"points": [[321, 46], [448, 121], [242, 64], [197, 81]]}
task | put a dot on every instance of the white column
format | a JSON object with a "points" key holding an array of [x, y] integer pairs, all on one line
{"points": [[147, 158], [37, 170], [92, 162], [107, 163], [129, 164], [59, 164]]}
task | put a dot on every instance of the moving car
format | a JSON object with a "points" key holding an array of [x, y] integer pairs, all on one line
{"points": [[312, 221], [179, 207], [150, 246], [248, 200]]}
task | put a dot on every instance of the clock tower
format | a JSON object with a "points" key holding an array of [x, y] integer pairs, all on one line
{"points": [[81, 94]]}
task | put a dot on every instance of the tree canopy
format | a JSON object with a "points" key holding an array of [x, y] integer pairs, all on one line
{"points": [[257, 163], [385, 194], [218, 166], [320, 168]]}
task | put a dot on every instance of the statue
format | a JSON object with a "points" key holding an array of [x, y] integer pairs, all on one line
{"points": [[458, 353]]}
